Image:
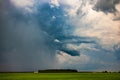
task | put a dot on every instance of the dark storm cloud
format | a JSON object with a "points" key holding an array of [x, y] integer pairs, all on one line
{"points": [[107, 6], [52, 19], [27, 40], [117, 51], [56, 28], [30, 41], [23, 45]]}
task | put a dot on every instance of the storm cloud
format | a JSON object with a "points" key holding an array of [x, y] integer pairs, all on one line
{"points": [[59, 34], [23, 45], [28, 39], [106, 5]]}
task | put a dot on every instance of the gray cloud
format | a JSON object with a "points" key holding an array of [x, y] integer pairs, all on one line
{"points": [[116, 19], [107, 6], [23, 45], [117, 51], [28, 39]]}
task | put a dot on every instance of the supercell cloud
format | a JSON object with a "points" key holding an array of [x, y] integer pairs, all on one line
{"points": [[74, 34]]}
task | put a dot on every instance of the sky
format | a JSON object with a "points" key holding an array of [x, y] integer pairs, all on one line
{"points": [[59, 34]]}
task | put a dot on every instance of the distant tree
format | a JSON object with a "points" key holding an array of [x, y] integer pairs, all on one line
{"points": [[57, 71], [105, 71]]}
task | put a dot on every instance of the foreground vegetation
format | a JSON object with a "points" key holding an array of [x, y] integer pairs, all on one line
{"points": [[59, 76]]}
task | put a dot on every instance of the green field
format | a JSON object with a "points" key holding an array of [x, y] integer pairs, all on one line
{"points": [[60, 76]]}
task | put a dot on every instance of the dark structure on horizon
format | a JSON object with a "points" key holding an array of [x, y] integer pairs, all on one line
{"points": [[57, 71]]}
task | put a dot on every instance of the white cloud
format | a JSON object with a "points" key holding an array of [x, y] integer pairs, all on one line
{"points": [[22, 3], [54, 3], [102, 27], [58, 41], [26, 5], [83, 46], [67, 60], [118, 7], [73, 4], [90, 23]]}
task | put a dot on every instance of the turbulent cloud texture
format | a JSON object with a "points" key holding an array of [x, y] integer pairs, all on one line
{"points": [[75, 34], [106, 5]]}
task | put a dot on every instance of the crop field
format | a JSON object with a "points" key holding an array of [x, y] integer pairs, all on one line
{"points": [[59, 76]]}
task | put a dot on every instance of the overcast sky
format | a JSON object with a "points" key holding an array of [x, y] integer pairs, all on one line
{"points": [[59, 34]]}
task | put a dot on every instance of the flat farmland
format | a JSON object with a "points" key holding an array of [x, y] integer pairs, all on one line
{"points": [[59, 76]]}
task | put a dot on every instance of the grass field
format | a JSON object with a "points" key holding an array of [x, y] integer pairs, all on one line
{"points": [[60, 76]]}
